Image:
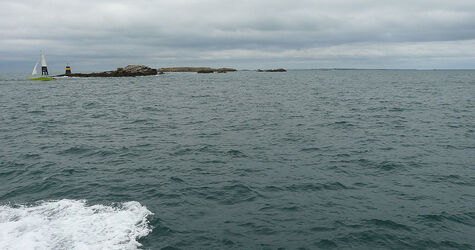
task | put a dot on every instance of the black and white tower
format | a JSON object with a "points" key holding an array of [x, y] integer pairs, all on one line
{"points": [[44, 68]]}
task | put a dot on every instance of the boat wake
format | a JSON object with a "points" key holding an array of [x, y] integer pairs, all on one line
{"points": [[72, 224]]}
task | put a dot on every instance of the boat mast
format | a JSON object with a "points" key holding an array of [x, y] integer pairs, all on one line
{"points": [[44, 69]]}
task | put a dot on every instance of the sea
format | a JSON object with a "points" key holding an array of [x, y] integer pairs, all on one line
{"points": [[304, 159]]}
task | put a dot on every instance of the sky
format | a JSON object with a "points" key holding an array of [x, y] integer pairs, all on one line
{"points": [[96, 35]]}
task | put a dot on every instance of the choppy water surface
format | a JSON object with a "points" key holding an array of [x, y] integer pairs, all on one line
{"points": [[304, 159]]}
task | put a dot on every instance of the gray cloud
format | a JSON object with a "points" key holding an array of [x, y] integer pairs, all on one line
{"points": [[244, 34]]}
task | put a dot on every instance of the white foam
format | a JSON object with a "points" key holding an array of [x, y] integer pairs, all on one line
{"points": [[72, 224]]}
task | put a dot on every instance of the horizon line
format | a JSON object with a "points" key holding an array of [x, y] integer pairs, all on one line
{"points": [[244, 69]]}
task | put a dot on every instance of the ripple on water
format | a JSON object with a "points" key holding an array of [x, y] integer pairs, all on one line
{"points": [[466, 219], [451, 178], [326, 244], [227, 195], [389, 224], [311, 149], [236, 153], [316, 187], [76, 150]]}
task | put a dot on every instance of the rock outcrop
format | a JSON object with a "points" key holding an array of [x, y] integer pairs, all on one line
{"points": [[130, 70], [196, 69], [205, 71], [272, 70]]}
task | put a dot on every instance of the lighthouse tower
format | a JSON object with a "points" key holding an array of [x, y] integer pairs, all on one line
{"points": [[68, 69], [44, 68]]}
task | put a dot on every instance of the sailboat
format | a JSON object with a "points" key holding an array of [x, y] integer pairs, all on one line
{"points": [[44, 70]]}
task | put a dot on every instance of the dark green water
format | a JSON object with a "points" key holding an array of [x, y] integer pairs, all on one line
{"points": [[354, 159]]}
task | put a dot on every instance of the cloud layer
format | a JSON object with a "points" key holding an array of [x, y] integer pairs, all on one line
{"points": [[243, 34]]}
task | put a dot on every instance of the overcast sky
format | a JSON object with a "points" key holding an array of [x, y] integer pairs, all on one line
{"points": [[245, 34]]}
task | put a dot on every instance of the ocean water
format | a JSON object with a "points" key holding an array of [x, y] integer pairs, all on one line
{"points": [[307, 159]]}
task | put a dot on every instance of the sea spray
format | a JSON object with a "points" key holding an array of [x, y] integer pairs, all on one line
{"points": [[73, 224]]}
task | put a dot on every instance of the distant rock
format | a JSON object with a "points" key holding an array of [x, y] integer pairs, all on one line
{"points": [[130, 70], [224, 70], [196, 69], [184, 69], [205, 71], [272, 70]]}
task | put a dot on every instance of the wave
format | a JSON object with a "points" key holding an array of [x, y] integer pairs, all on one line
{"points": [[72, 224]]}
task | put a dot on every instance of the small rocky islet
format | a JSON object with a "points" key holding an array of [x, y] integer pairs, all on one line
{"points": [[130, 70], [197, 69], [142, 70], [272, 70]]}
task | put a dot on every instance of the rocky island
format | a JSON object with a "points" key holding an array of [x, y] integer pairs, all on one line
{"points": [[196, 69], [130, 70], [142, 70]]}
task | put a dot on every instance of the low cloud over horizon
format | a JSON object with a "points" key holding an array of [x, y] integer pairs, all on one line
{"points": [[101, 35]]}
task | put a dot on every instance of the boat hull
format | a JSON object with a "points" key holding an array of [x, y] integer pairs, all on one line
{"points": [[42, 79]]}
